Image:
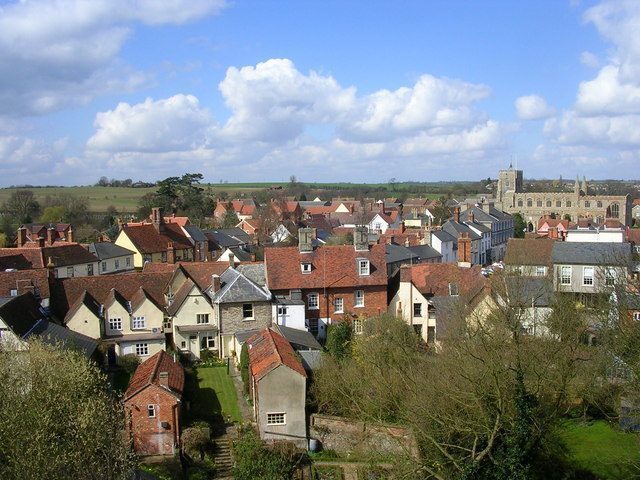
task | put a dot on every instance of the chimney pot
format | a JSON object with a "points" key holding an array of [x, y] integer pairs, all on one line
{"points": [[71, 235]]}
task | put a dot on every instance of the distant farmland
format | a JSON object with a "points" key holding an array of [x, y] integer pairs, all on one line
{"points": [[126, 199]]}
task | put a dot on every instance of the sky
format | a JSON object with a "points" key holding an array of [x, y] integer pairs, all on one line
{"points": [[344, 90]]}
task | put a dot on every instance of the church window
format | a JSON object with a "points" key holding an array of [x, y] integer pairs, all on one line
{"points": [[529, 202]]}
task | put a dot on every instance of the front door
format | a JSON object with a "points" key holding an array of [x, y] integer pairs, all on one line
{"points": [[111, 355], [193, 345]]}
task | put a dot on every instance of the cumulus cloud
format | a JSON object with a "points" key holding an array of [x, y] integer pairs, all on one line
{"points": [[177, 123], [29, 161], [602, 123], [273, 107], [56, 53], [533, 107], [589, 59]]}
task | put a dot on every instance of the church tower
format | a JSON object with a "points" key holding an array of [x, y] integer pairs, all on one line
{"points": [[576, 186], [509, 183], [584, 186]]}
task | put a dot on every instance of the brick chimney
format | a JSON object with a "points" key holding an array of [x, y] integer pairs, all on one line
{"points": [[553, 232], [71, 236], [464, 250], [40, 242], [456, 214], [232, 260], [405, 273], [22, 237], [157, 220], [51, 235], [470, 216], [163, 379], [215, 283], [407, 243], [390, 239], [171, 253], [381, 207]]}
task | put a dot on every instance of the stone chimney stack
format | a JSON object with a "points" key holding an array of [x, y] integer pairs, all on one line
{"points": [[456, 214], [163, 379], [215, 283], [361, 239], [464, 250], [157, 220], [71, 238], [171, 253], [305, 240], [51, 235], [232, 260], [486, 207]]}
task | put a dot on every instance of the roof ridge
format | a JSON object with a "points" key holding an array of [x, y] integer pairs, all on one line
{"points": [[155, 367], [275, 346]]}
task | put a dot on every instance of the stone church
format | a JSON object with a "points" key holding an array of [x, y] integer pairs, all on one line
{"points": [[512, 198]]}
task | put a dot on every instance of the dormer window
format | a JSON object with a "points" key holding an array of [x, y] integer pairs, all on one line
{"points": [[453, 289], [305, 267], [363, 266]]}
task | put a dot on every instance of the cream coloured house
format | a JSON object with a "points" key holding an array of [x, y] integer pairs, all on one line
{"points": [[125, 326]]}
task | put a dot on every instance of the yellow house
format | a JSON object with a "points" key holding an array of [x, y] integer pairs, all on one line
{"points": [[157, 241]]}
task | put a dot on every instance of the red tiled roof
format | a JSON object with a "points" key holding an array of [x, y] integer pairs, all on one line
{"points": [[529, 251], [22, 280], [182, 221], [434, 278], [148, 240], [320, 209], [268, 350], [633, 235], [148, 373], [154, 267], [21, 258], [66, 291], [200, 272], [331, 266], [553, 222]]}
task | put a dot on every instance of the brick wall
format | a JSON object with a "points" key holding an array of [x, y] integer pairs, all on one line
{"points": [[375, 302], [148, 435], [350, 436], [232, 319]]}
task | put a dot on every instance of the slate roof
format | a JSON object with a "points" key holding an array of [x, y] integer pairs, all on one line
{"points": [[443, 236], [195, 233], [67, 291], [54, 334], [298, 338], [106, 250], [591, 253], [425, 251], [21, 313], [255, 272], [231, 239], [66, 255], [455, 228], [525, 291], [24, 280], [148, 373], [494, 214], [21, 258], [269, 350], [238, 288], [398, 253], [331, 266], [433, 279], [529, 251], [147, 239]]}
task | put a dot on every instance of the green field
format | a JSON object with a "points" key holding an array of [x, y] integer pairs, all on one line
{"points": [[601, 449], [126, 199]]}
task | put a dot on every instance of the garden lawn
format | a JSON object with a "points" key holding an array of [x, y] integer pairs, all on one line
{"points": [[214, 395], [604, 450]]}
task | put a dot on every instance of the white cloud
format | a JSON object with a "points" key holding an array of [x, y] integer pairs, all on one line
{"points": [[177, 123], [606, 112], [275, 110], [56, 53], [533, 107], [589, 59], [26, 160]]}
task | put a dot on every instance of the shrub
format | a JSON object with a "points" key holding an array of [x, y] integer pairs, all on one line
{"points": [[129, 362], [244, 367], [196, 439], [339, 340]]}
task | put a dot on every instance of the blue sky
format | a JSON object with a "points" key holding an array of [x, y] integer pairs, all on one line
{"points": [[326, 91]]}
